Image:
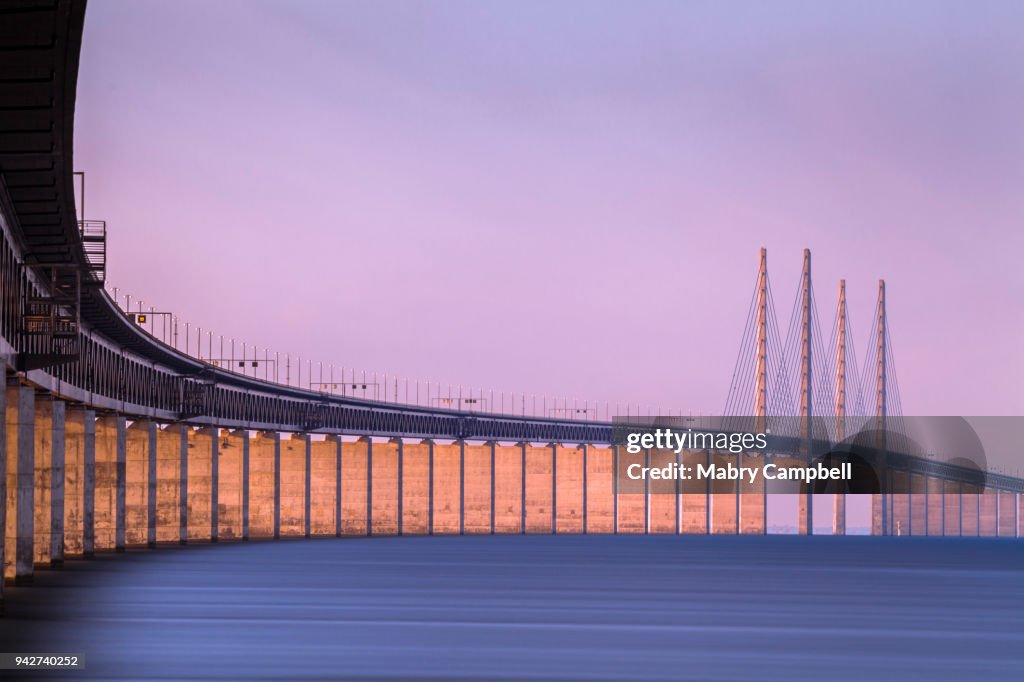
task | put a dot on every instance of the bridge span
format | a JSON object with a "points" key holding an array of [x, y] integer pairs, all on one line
{"points": [[113, 438]]}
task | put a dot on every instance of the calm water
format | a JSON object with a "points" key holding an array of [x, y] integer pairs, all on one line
{"points": [[540, 607]]}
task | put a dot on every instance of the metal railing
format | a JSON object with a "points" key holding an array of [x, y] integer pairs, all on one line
{"points": [[94, 242]]}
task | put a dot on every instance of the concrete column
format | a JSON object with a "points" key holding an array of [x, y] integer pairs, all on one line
{"points": [[202, 484], [430, 479], [355, 487], [337, 486], [49, 481], [508, 491], [539, 489], [900, 503], [397, 442], [839, 514], [478, 480], [3, 482], [151, 487], [951, 508], [805, 512], [292, 488], [1007, 514], [308, 492], [232, 456], [707, 497], [58, 495], [693, 506], [323, 486], [492, 447], [170, 522], [647, 493], [723, 502], [43, 480], [277, 485], [678, 494], [183, 432], [554, 487], [935, 505], [415, 458], [20, 522], [74, 474], [243, 436], [462, 486], [121, 444], [752, 519], [264, 518], [615, 489], [110, 482], [599, 495], [570, 489], [369, 484], [987, 512], [662, 512], [631, 495], [88, 483], [448, 491], [214, 483], [586, 453], [387, 488], [137, 480], [522, 488], [918, 505], [969, 510]]}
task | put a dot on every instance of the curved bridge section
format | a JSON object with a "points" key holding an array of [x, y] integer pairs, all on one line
{"points": [[110, 363], [112, 438]]}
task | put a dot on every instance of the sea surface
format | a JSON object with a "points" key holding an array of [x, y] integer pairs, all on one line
{"points": [[535, 608]]}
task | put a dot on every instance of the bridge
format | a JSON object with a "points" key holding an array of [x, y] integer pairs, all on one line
{"points": [[116, 436]]}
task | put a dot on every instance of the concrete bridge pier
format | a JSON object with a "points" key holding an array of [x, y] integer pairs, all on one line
{"points": [[416, 487], [49, 481], [918, 505], [76, 476], [477, 486], [232, 484], [20, 481], [951, 518], [839, 514], [3, 490], [200, 484], [988, 513], [292, 489], [569, 501], [323, 486], [753, 501], [805, 514], [139, 522], [111, 443], [935, 503], [386, 487], [599, 504], [970, 510], [355, 487]]}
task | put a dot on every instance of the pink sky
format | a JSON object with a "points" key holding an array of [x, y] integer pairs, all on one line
{"points": [[566, 199]]}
